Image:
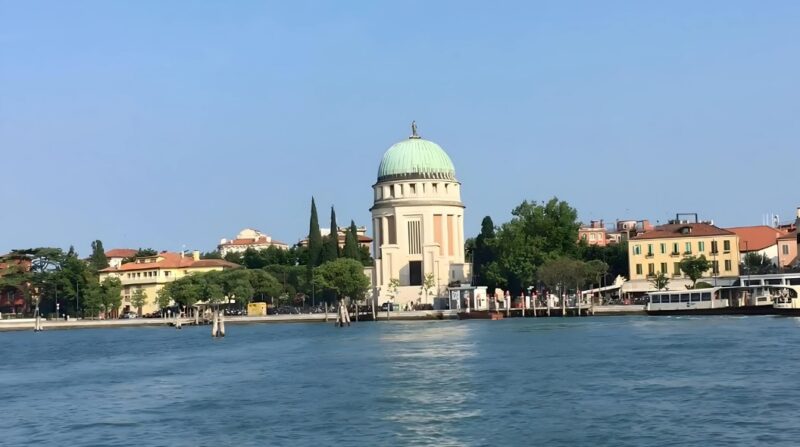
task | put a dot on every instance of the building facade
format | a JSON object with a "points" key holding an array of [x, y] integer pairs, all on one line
{"points": [[593, 234], [418, 223], [759, 239], [661, 250], [788, 245], [115, 256], [248, 238], [152, 273], [361, 233]]}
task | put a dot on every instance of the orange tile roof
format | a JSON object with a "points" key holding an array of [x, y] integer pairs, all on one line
{"points": [[169, 260], [121, 253], [757, 237], [674, 230], [790, 235]]}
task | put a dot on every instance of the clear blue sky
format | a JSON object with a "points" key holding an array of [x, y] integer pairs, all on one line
{"points": [[162, 124]]}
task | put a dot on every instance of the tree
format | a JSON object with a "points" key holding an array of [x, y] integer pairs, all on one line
{"points": [[694, 267], [428, 283], [344, 277], [236, 285], [264, 285], [660, 281], [234, 257], [211, 255], [330, 245], [615, 255], [758, 264], [394, 284], [535, 234], [98, 259], [163, 298], [109, 295], [562, 273], [314, 238], [351, 250], [483, 253], [138, 300]]}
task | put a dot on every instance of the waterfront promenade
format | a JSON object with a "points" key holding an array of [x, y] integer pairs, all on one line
{"points": [[25, 324]]}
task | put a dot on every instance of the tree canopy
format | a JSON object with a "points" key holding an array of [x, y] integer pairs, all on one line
{"points": [[694, 267], [344, 278]]}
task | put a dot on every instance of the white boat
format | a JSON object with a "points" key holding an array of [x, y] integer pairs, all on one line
{"points": [[723, 300]]}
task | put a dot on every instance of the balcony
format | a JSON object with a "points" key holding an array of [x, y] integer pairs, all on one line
{"points": [[649, 255]]}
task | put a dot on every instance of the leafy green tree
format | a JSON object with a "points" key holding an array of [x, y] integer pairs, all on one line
{"points": [[210, 287], [264, 285], [660, 281], [758, 264], [365, 256], [98, 259], [314, 238], [234, 257], [483, 253], [163, 298], [236, 285], [351, 250], [563, 273], [211, 255], [110, 295], [330, 245], [343, 277], [184, 291], [138, 300], [595, 270], [536, 233], [428, 284], [394, 284], [694, 267], [615, 255]]}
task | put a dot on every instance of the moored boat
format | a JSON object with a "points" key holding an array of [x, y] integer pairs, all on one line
{"points": [[480, 315], [735, 300]]}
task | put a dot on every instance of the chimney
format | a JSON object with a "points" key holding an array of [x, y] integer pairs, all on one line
{"points": [[196, 255]]}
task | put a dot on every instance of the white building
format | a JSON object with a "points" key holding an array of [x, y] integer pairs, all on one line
{"points": [[418, 222], [248, 238]]}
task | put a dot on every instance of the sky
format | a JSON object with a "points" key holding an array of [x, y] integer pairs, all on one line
{"points": [[175, 124]]}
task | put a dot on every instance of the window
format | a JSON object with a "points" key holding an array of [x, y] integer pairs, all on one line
{"points": [[592, 236], [684, 297], [651, 269], [663, 248], [637, 249], [391, 191], [706, 296], [728, 265], [714, 248], [675, 249], [166, 273], [413, 188], [583, 236], [649, 249], [726, 245], [664, 268], [638, 269], [392, 231], [785, 249], [715, 267], [415, 273], [688, 247], [677, 268], [435, 187], [414, 237], [701, 246]]}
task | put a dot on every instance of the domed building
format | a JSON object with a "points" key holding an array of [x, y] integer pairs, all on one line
{"points": [[418, 223]]}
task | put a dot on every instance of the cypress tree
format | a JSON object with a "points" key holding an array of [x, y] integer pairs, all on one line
{"points": [[314, 238], [331, 245], [351, 243], [98, 260]]}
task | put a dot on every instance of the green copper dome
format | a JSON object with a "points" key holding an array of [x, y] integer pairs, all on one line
{"points": [[416, 158]]}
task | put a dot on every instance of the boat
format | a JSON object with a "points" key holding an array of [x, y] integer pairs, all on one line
{"points": [[723, 300], [480, 315], [788, 301]]}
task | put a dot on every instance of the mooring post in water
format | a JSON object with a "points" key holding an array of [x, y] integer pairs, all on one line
{"points": [[221, 325], [214, 323], [326, 311], [547, 298], [564, 304]]}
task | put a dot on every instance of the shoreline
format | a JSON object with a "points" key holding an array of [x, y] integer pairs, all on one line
{"points": [[423, 315]]}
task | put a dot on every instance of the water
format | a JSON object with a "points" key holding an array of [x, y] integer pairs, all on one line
{"points": [[575, 381]]}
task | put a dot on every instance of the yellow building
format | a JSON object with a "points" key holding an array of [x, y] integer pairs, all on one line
{"points": [[151, 273], [661, 250]]}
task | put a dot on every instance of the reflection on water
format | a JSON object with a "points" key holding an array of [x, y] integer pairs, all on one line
{"points": [[617, 381]]}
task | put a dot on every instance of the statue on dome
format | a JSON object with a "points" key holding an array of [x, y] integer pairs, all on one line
{"points": [[414, 129]]}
